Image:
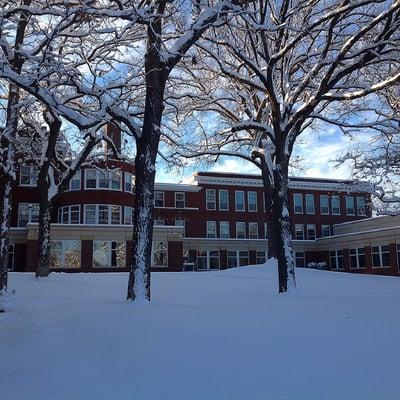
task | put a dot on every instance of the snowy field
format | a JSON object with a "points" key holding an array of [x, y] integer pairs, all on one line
{"points": [[212, 335]]}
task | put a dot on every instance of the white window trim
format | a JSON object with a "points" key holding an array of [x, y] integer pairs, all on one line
{"points": [[97, 213], [244, 201], [315, 231], [128, 174], [302, 230], [208, 260], [307, 195], [294, 203], [248, 201], [101, 172], [326, 197], [61, 209], [336, 259], [80, 182], [30, 206], [338, 197], [322, 230], [30, 175], [357, 254], [163, 199], [256, 225], [214, 223], [215, 199], [380, 257], [124, 219], [245, 233], [364, 213], [227, 200], [184, 200], [228, 225], [354, 210]]}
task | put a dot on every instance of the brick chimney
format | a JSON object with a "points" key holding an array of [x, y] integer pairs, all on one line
{"points": [[114, 133]]}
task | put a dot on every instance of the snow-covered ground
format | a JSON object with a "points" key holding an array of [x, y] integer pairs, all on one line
{"points": [[216, 335]]}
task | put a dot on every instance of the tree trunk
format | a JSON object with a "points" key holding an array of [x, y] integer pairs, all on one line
{"points": [[280, 235]]}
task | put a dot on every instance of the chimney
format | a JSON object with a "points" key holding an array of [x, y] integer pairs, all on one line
{"points": [[114, 133]]}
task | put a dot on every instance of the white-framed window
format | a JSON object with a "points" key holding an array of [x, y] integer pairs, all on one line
{"points": [[311, 232], [310, 204], [360, 201], [28, 175], [109, 254], [180, 222], [27, 213], [179, 200], [253, 230], [128, 215], [324, 204], [211, 199], [261, 257], [350, 205], [224, 230], [325, 230], [239, 200], [211, 229], [69, 214], [336, 259], [65, 253], [241, 230], [298, 203], [102, 179], [160, 254], [75, 182], [129, 182], [158, 199], [299, 231], [265, 230], [335, 205], [357, 258], [159, 221], [300, 259], [238, 258], [252, 201], [380, 256], [223, 200], [207, 259], [102, 214]]}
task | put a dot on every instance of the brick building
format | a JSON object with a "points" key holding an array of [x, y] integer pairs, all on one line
{"points": [[213, 220]]}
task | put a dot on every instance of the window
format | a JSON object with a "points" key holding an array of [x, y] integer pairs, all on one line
{"points": [[179, 200], [180, 222], [159, 222], [27, 213], [102, 179], [261, 257], [75, 182], [349, 205], [239, 201], [299, 232], [69, 215], [65, 253], [265, 230], [324, 204], [325, 230], [28, 175], [300, 259], [102, 214], [253, 230], [357, 258], [207, 259], [224, 230], [128, 215], [223, 200], [129, 182], [211, 201], [158, 199], [252, 201], [241, 230], [108, 254], [360, 205], [238, 258], [211, 229], [335, 204], [380, 256], [310, 205], [311, 234], [298, 203], [160, 254], [336, 259]]}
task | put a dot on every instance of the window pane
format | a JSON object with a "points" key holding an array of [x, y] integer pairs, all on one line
{"points": [[360, 205], [180, 200], [252, 201], [253, 230], [239, 201], [72, 253], [298, 203], [90, 214], [349, 205], [91, 178], [100, 253], [159, 199], [241, 230], [210, 199], [115, 215], [223, 200], [160, 254], [224, 230], [335, 200], [324, 204], [310, 206], [211, 229], [103, 214], [55, 254], [115, 177]]}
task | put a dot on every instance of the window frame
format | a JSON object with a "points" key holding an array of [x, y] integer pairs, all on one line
{"points": [[254, 225], [30, 206], [314, 230], [237, 192], [380, 253], [213, 192], [227, 199], [306, 197], [60, 214], [33, 176], [157, 192], [102, 175], [298, 196], [322, 230], [332, 202], [356, 255], [184, 200], [298, 230], [97, 212], [214, 225], [347, 209], [226, 224], [242, 224], [324, 198], [252, 193]]}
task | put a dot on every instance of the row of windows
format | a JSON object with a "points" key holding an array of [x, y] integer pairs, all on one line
{"points": [[329, 205], [223, 200], [106, 253], [309, 231], [159, 199], [94, 179], [224, 230], [210, 259]]}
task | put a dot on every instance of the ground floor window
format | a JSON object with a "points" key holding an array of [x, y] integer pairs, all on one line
{"points": [[336, 259], [207, 259], [261, 257], [357, 258], [300, 259], [65, 254], [238, 258], [107, 253], [380, 256], [160, 254]]}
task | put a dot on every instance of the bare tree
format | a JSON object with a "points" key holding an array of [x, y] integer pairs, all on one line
{"points": [[282, 68]]}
